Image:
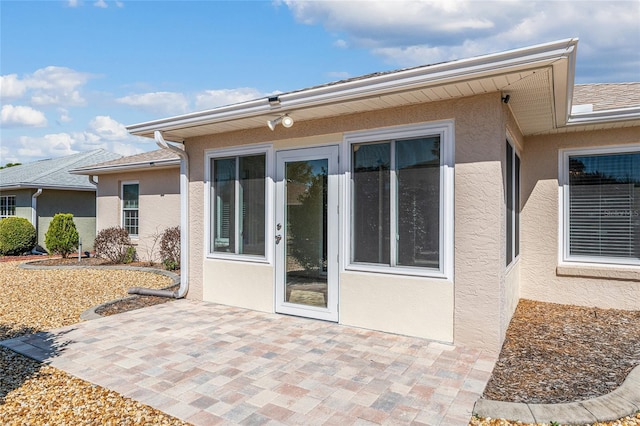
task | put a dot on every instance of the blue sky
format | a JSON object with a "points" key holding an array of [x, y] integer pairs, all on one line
{"points": [[74, 73]]}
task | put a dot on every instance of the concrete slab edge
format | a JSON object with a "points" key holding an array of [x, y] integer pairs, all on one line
{"points": [[622, 402]]}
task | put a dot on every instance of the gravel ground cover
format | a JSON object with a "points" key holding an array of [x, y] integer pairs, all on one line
{"points": [[32, 393], [549, 352]]}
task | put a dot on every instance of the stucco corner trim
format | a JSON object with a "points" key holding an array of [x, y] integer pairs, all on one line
{"points": [[619, 273]]}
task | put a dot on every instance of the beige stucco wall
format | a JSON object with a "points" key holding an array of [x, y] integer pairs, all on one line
{"points": [[473, 310], [244, 284], [159, 205], [541, 279]]}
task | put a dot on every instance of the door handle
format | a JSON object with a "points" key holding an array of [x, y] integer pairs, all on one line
{"points": [[278, 238]]}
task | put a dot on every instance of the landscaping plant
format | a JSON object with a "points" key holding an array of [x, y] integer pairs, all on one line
{"points": [[114, 244], [170, 248], [62, 236], [17, 236]]}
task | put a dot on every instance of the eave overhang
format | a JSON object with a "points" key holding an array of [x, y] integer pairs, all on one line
{"points": [[539, 80], [130, 167]]}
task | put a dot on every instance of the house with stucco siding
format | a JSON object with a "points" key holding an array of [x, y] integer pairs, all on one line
{"points": [[424, 201], [140, 193], [38, 191]]}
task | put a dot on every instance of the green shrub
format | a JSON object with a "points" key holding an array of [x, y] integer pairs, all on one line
{"points": [[114, 244], [62, 236], [130, 255], [170, 248], [17, 236]]}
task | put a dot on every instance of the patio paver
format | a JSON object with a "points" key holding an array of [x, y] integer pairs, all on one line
{"points": [[207, 363]]}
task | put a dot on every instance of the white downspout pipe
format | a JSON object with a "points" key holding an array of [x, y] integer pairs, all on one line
{"points": [[34, 208], [34, 219], [184, 224]]}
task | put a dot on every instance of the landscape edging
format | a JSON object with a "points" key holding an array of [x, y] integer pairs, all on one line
{"points": [[90, 314], [622, 402]]}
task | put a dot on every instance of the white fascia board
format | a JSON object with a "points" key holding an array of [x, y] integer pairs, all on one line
{"points": [[605, 116], [35, 186], [142, 166], [534, 57]]}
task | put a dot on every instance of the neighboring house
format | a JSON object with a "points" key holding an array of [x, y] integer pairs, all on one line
{"points": [[424, 201], [140, 193], [37, 191]]}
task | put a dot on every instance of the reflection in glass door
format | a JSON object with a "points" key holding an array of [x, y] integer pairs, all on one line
{"points": [[305, 237], [306, 222]]}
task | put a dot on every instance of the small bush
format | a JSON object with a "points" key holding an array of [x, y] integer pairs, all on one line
{"points": [[130, 255], [114, 244], [170, 248], [62, 236], [17, 236]]}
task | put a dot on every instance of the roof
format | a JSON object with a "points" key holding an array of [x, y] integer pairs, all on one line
{"points": [[158, 159], [606, 96], [539, 80], [54, 173]]}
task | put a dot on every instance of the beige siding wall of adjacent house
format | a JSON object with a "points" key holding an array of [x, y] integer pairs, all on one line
{"points": [[542, 278], [473, 309], [159, 205]]}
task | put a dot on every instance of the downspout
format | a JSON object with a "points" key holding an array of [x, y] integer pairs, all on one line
{"points": [[184, 225], [34, 215]]}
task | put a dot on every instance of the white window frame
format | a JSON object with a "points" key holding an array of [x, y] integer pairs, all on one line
{"points": [[444, 129], [267, 150], [515, 255], [122, 209], [7, 197], [563, 207]]}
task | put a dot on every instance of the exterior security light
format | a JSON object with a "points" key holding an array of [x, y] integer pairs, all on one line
{"points": [[284, 119]]}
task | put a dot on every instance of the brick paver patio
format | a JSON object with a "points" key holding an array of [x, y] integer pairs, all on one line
{"points": [[212, 364]]}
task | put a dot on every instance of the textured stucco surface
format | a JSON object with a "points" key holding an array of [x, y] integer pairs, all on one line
{"points": [[242, 284], [539, 232], [159, 205], [467, 311]]}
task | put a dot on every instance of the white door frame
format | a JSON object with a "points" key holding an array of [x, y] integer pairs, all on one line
{"points": [[330, 313]]}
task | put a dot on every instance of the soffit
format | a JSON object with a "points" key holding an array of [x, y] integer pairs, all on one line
{"points": [[530, 99]]}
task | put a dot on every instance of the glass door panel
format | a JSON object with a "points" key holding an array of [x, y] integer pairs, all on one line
{"points": [[306, 224], [306, 232]]}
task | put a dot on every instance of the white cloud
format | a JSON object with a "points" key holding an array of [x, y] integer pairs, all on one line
{"points": [[64, 115], [164, 103], [107, 128], [47, 86], [341, 44], [21, 116], [407, 33], [72, 3], [11, 86], [215, 98], [101, 3], [101, 132]]}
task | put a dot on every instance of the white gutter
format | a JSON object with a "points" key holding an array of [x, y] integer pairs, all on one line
{"points": [[550, 54], [144, 165], [34, 208], [184, 225], [604, 116]]}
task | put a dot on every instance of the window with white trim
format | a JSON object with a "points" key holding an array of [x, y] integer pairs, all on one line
{"points": [[238, 204], [7, 206], [602, 205], [130, 207], [401, 199], [512, 188]]}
